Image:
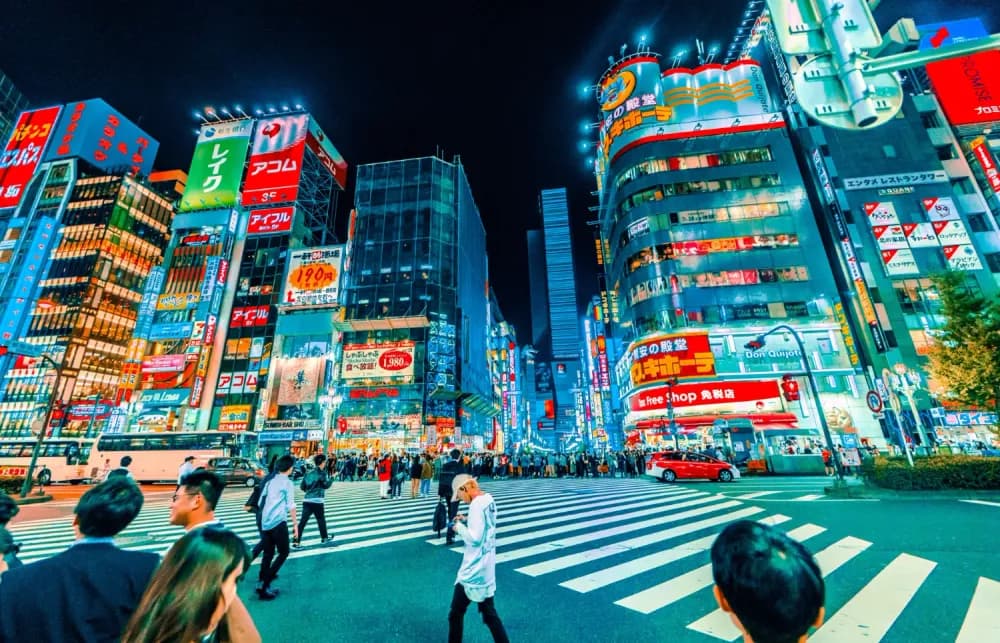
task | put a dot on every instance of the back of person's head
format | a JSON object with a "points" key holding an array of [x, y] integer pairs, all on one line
{"points": [[319, 459], [8, 508], [455, 454], [7, 544], [185, 593], [284, 463], [207, 483], [126, 460], [108, 508], [768, 581]]}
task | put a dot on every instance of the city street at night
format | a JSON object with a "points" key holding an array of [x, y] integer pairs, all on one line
{"points": [[610, 559]]}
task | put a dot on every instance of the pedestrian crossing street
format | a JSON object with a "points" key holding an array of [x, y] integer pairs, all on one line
{"points": [[639, 545]]}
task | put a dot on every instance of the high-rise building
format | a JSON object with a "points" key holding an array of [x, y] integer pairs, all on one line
{"points": [[560, 274], [82, 231], [710, 242], [12, 103], [538, 292], [417, 315]]}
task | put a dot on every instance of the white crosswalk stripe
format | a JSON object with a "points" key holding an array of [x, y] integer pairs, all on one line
{"points": [[636, 544]]}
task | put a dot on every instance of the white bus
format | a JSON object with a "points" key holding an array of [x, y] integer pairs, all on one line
{"points": [[60, 459], [156, 457]]}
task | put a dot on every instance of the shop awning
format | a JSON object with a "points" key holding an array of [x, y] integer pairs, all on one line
{"points": [[382, 323]]}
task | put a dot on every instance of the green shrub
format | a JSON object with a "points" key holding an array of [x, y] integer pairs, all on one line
{"points": [[11, 485], [938, 472]]}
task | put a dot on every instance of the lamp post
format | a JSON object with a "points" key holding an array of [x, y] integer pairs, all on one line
{"points": [[671, 383], [26, 487], [759, 343], [908, 387]]}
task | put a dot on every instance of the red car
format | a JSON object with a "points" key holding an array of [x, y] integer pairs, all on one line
{"points": [[668, 466]]}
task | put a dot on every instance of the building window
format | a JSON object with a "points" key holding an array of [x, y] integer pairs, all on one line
{"points": [[993, 261], [978, 222], [889, 151]]}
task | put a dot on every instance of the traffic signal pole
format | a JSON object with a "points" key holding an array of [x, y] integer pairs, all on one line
{"points": [[846, 61], [26, 487]]}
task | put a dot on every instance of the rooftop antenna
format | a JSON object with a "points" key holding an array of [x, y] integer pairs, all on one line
{"points": [[621, 52], [701, 51]]}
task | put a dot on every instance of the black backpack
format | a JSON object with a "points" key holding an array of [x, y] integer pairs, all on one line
{"points": [[440, 517]]}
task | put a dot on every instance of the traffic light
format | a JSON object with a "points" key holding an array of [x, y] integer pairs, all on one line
{"points": [[754, 345], [789, 388]]}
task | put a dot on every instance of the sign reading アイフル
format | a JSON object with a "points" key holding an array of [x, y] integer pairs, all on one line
{"points": [[217, 165], [23, 153], [276, 161], [313, 277]]}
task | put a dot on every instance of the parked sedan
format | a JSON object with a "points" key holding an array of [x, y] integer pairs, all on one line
{"points": [[237, 470], [669, 466]]}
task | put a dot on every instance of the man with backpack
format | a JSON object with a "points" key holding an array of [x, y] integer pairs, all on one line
{"points": [[314, 483], [449, 470]]}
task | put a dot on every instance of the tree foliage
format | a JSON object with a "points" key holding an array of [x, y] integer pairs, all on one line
{"points": [[965, 358]]}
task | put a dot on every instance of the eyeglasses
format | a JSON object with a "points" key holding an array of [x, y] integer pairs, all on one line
{"points": [[174, 497]]}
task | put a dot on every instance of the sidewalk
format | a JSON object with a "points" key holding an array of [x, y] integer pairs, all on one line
{"points": [[859, 488]]}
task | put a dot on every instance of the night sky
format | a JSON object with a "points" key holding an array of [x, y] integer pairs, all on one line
{"points": [[498, 83]]}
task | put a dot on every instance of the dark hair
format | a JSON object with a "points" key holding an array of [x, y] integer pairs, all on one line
{"points": [[185, 591], [8, 508], [126, 460], [7, 544], [770, 581], [284, 463], [455, 454], [319, 459], [207, 483], [108, 508]]}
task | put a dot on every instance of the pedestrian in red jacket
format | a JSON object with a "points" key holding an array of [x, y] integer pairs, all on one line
{"points": [[384, 474]]}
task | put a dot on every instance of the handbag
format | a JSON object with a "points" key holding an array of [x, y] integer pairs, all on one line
{"points": [[440, 517]]}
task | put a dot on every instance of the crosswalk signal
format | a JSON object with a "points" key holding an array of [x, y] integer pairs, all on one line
{"points": [[789, 388]]}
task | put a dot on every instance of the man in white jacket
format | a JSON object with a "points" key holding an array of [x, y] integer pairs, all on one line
{"points": [[476, 581]]}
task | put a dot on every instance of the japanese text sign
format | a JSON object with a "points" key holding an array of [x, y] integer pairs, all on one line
{"points": [[276, 160], [270, 220], [660, 358], [327, 153], [23, 153], [703, 393], [217, 165], [363, 361], [313, 277], [97, 133]]}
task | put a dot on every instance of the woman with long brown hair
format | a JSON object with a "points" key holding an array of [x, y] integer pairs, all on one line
{"points": [[188, 596]]}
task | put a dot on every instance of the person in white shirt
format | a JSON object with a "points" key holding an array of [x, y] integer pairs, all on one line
{"points": [[185, 469], [277, 503], [476, 581]]}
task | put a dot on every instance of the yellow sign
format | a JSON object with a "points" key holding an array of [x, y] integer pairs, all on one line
{"points": [[845, 331], [236, 414], [313, 276], [617, 90]]}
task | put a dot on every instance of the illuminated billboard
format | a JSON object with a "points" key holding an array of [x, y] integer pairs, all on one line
{"points": [[313, 277], [217, 165], [657, 359], [968, 87], [97, 133], [276, 160], [270, 220], [364, 361], [327, 153], [23, 153]]}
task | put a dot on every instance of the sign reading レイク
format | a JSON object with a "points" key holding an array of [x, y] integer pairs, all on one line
{"points": [[24, 152], [217, 165]]}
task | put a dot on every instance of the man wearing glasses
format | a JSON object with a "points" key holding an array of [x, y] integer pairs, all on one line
{"points": [[476, 581], [193, 504]]}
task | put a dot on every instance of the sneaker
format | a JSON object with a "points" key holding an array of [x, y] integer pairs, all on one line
{"points": [[296, 544], [267, 594], [326, 541]]}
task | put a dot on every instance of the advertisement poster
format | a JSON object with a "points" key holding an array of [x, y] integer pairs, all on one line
{"points": [[951, 233], [101, 135], [963, 84], [300, 380], [899, 262], [962, 257], [23, 153], [987, 161], [889, 237], [217, 166], [659, 358], [270, 220], [940, 208], [327, 153], [313, 277], [363, 361], [881, 213], [276, 160], [920, 235]]}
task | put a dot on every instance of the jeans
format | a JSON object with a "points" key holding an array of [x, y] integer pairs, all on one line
{"points": [[273, 539], [309, 509], [456, 617], [425, 486]]}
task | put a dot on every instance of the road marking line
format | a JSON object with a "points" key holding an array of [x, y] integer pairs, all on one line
{"points": [[718, 624], [557, 545], [658, 596], [807, 497], [755, 494], [604, 577], [982, 502], [981, 622], [873, 610]]}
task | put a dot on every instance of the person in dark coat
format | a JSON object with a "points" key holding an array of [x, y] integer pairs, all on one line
{"points": [[449, 470]]}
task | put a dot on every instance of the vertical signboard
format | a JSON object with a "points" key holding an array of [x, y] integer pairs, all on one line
{"points": [[217, 165], [313, 277], [26, 286], [24, 151], [327, 154], [981, 150], [94, 131], [967, 86], [276, 161]]}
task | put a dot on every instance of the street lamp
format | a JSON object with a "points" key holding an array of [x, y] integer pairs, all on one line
{"points": [[670, 384], [759, 343], [26, 487]]}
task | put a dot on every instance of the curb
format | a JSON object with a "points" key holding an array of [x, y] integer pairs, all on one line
{"points": [[32, 500], [870, 492]]}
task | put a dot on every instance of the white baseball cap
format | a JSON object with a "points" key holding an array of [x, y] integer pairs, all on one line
{"points": [[460, 481]]}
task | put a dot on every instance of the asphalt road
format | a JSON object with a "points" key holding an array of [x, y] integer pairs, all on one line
{"points": [[613, 560]]}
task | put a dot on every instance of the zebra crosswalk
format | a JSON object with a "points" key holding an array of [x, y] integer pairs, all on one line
{"points": [[633, 545]]}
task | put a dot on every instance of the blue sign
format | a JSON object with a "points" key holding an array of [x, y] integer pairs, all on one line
{"points": [[22, 298], [939, 34], [166, 397], [170, 330], [970, 418], [282, 436], [147, 306], [849, 440], [97, 133]]}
